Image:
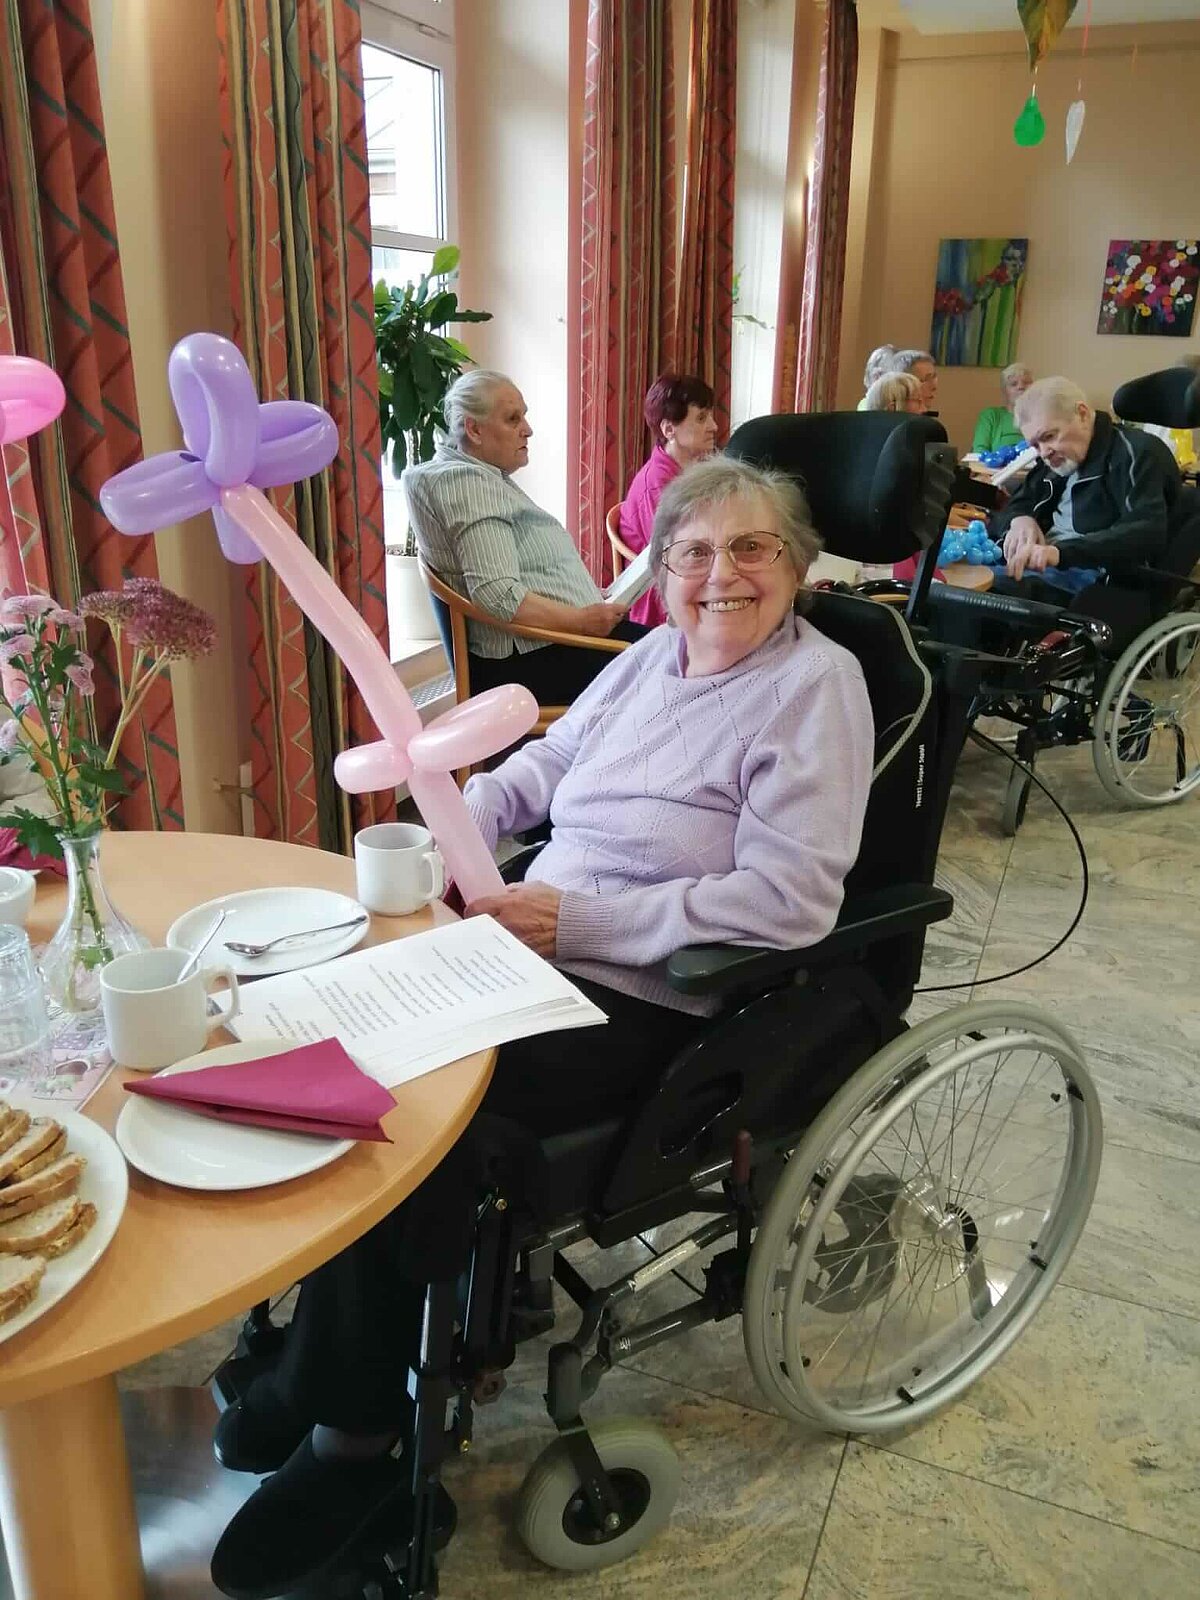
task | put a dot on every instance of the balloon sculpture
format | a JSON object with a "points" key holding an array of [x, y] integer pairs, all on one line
{"points": [[31, 396], [234, 448]]}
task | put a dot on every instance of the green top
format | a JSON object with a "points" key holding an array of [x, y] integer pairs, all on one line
{"points": [[995, 429]]}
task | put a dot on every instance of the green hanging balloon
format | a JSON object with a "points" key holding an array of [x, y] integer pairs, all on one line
{"points": [[1030, 126]]}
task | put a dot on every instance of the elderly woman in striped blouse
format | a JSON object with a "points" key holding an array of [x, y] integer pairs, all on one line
{"points": [[486, 538]]}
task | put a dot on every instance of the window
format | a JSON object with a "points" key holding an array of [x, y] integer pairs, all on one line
{"points": [[407, 60]]}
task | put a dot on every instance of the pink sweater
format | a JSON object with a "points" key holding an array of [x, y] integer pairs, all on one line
{"points": [[637, 524], [694, 810]]}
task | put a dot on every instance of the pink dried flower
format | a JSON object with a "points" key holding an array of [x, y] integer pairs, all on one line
{"points": [[108, 605], [17, 644], [81, 676], [28, 605], [10, 736], [65, 619], [166, 623]]}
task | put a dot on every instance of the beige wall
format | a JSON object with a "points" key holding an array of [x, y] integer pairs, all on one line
{"points": [[158, 65], [935, 158]]}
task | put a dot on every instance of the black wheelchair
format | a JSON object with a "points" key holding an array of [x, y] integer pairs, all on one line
{"points": [[888, 1206], [1115, 667]]}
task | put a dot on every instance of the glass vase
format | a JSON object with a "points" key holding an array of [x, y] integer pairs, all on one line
{"points": [[91, 934]]}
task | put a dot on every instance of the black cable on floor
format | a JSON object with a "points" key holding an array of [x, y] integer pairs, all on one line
{"points": [[1001, 977]]}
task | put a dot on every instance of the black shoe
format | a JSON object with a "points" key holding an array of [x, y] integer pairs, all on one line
{"points": [[258, 1432], [313, 1519]]}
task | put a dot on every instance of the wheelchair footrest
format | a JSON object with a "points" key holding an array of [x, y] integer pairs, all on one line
{"points": [[256, 1352]]}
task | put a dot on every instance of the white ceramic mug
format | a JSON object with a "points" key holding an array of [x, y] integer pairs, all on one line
{"points": [[151, 1019], [17, 889], [397, 868]]}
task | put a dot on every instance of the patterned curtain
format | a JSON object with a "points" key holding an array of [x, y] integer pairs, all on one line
{"points": [[828, 207], [300, 258], [704, 325], [628, 256], [62, 300]]}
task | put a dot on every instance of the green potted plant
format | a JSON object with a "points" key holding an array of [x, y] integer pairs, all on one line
{"points": [[418, 361]]}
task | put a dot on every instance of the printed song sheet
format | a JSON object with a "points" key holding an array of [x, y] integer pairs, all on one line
{"points": [[404, 1008]]}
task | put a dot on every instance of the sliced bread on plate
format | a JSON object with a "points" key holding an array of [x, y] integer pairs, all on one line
{"points": [[60, 1178], [50, 1231], [19, 1279], [38, 1136], [14, 1125]]}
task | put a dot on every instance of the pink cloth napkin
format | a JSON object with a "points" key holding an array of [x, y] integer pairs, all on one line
{"points": [[316, 1088], [13, 854]]}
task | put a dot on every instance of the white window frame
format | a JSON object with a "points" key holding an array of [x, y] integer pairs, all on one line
{"points": [[423, 31]]}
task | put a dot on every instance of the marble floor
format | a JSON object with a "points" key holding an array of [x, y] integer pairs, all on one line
{"points": [[1072, 1469]]}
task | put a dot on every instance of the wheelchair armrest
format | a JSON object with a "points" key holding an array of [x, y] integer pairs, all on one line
{"points": [[864, 920]]}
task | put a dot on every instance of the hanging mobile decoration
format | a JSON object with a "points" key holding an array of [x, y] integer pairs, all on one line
{"points": [[1042, 21], [1077, 110]]}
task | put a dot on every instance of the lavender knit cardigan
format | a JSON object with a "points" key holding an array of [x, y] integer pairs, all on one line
{"points": [[697, 810]]}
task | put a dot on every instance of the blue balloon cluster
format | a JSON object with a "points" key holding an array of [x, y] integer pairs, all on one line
{"points": [[970, 544], [1001, 457]]}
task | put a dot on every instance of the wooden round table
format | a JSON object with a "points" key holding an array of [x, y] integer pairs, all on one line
{"points": [[182, 1261]]}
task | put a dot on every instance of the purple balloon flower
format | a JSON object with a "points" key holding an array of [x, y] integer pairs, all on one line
{"points": [[229, 440]]}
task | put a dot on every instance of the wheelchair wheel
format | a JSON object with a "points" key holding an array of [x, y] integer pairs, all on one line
{"points": [[1146, 736], [1016, 798], [553, 1516], [973, 1141]]}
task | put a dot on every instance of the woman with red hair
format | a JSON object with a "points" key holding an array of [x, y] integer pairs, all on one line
{"points": [[679, 415]]}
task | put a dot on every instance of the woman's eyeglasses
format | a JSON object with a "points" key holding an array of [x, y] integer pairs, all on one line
{"points": [[749, 552]]}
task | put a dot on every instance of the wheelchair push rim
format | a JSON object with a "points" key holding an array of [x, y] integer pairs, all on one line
{"points": [[1146, 739], [922, 1220]]}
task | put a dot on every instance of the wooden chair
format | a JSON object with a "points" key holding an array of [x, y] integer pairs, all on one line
{"points": [[621, 553], [452, 612]]}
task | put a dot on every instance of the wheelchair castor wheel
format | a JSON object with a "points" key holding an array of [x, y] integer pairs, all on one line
{"points": [[1016, 798], [554, 1519]]}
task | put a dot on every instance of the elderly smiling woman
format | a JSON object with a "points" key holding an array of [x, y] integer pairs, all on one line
{"points": [[709, 785]]}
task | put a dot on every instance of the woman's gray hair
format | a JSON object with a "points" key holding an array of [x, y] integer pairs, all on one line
{"points": [[1015, 369], [720, 479], [906, 360], [877, 363], [471, 395], [892, 392]]}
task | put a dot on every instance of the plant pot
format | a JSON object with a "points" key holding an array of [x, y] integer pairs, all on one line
{"points": [[410, 615]]}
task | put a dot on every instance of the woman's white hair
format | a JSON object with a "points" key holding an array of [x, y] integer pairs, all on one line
{"points": [[892, 392], [906, 360], [1054, 397], [1015, 369], [877, 363], [472, 394]]}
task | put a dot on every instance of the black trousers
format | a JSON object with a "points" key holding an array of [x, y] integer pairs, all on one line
{"points": [[357, 1323], [555, 674]]}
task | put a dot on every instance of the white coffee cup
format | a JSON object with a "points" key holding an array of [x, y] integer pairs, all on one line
{"points": [[17, 889], [151, 1019], [397, 868]]}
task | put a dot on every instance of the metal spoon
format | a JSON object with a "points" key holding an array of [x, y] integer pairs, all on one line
{"points": [[190, 964], [309, 933]]}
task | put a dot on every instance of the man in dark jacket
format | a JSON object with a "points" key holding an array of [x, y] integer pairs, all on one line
{"points": [[1101, 497]]}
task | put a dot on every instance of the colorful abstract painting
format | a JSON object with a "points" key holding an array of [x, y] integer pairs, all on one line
{"points": [[1150, 287], [977, 301]]}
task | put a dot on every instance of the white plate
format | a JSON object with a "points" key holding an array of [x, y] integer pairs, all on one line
{"points": [[195, 1152], [255, 915], [105, 1183]]}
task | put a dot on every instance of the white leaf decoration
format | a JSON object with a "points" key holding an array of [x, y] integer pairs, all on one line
{"points": [[1076, 112]]}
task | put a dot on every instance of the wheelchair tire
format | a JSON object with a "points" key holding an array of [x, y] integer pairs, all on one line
{"points": [[1016, 798], [987, 1121], [1146, 734], [553, 1519]]}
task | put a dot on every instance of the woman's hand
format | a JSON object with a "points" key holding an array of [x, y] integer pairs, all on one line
{"points": [[527, 910]]}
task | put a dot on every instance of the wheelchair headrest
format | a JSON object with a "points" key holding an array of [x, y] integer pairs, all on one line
{"points": [[879, 483], [1169, 399]]}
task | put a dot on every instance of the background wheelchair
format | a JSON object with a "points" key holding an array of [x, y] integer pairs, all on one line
{"points": [[888, 1206], [1116, 667]]}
